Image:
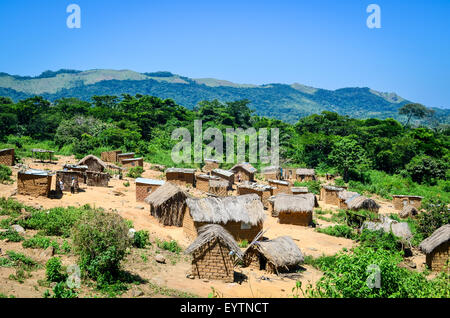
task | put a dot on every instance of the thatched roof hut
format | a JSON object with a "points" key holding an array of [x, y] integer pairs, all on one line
{"points": [[437, 249], [243, 172], [213, 253], [210, 232], [167, 204], [275, 255], [409, 210], [244, 208], [299, 203], [303, 174], [440, 236], [355, 201], [94, 163]]}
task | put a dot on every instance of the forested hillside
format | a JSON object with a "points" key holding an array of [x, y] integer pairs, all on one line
{"points": [[378, 156], [286, 102]]}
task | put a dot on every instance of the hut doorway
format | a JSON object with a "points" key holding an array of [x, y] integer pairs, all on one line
{"points": [[262, 262]]}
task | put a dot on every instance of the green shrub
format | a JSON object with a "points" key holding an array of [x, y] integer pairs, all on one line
{"points": [[135, 172], [21, 260], [436, 215], [171, 246], [313, 186], [339, 231], [5, 174], [101, 240], [141, 239], [243, 243], [39, 241], [61, 291], [11, 236], [53, 270]]}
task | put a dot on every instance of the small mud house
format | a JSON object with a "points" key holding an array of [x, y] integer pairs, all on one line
{"points": [[146, 186], [243, 172], [167, 204], [218, 188], [242, 216], [294, 209], [7, 157], [262, 190], [271, 172], [303, 174], [280, 186], [111, 156], [299, 190], [400, 201], [122, 156], [213, 254], [210, 164], [81, 171], [181, 176], [274, 256], [133, 162], [97, 179], [330, 194], [202, 181], [226, 175], [34, 182], [437, 249], [65, 176], [93, 163], [288, 173]]}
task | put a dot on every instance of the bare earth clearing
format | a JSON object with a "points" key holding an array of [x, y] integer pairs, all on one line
{"points": [[168, 279]]}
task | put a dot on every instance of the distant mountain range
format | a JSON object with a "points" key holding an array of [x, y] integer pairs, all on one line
{"points": [[282, 101]]}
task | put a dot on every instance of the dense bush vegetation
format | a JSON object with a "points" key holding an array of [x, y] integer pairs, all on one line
{"points": [[5, 174], [135, 172], [101, 240]]}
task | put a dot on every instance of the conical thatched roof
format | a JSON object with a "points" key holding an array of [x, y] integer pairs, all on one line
{"points": [[88, 157], [281, 252], [164, 193], [441, 235], [209, 233], [409, 210], [299, 203], [358, 202], [243, 208]]}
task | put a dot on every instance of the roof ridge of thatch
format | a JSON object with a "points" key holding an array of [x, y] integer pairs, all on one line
{"points": [[438, 237], [246, 166], [164, 193], [208, 233], [281, 251], [100, 161], [246, 208], [294, 203]]}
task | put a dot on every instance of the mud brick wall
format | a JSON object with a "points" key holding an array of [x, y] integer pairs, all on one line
{"points": [[245, 176], [212, 261], [97, 179], [7, 157], [329, 197], [263, 195], [289, 173], [33, 185], [280, 188], [219, 191], [143, 190], [342, 204], [271, 176], [121, 156], [251, 259], [66, 178], [202, 184], [400, 202], [133, 163], [302, 178], [110, 156], [229, 179], [209, 166], [439, 257], [303, 219], [189, 178], [189, 228]]}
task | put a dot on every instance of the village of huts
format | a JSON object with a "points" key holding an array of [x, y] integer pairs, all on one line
{"points": [[237, 226]]}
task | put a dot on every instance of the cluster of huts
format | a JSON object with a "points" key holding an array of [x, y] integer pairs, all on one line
{"points": [[90, 171], [126, 160]]}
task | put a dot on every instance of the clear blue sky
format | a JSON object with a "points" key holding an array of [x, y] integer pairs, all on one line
{"points": [[319, 43]]}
